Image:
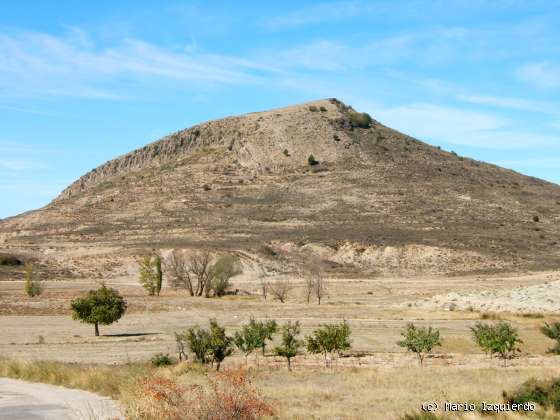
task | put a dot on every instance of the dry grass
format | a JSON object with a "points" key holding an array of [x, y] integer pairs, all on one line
{"points": [[347, 393]]}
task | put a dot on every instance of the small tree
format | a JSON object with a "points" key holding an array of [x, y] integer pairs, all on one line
{"points": [[199, 343], [177, 270], [102, 306], [329, 340], [505, 342], [181, 340], [290, 343], [280, 288], [148, 275], [263, 281], [226, 267], [33, 286], [500, 339], [264, 331], [220, 343], [245, 340], [482, 335], [209, 345], [420, 340], [552, 331]]}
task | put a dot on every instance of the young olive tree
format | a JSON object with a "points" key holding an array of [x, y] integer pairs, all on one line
{"points": [[246, 341], [420, 341], [102, 306], [329, 340], [500, 339], [290, 343], [209, 345]]}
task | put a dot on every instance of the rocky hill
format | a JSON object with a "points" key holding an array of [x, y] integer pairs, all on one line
{"points": [[317, 177]]}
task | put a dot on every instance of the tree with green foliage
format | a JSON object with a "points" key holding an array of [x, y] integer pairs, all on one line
{"points": [[246, 341], [102, 306], [209, 345], [32, 285], [220, 344], [552, 331], [329, 340], [199, 343], [505, 341], [225, 267], [501, 339], [147, 276], [264, 331], [482, 335], [151, 275], [290, 343], [420, 340]]}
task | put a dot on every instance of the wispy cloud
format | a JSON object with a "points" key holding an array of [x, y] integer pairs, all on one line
{"points": [[511, 103], [544, 75], [37, 64], [457, 126], [20, 164]]}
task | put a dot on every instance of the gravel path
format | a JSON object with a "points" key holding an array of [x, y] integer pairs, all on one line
{"points": [[20, 400]]}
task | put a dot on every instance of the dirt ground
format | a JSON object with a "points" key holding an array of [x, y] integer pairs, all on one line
{"points": [[377, 310]]}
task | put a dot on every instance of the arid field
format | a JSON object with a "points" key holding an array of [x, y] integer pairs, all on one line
{"points": [[375, 379]]}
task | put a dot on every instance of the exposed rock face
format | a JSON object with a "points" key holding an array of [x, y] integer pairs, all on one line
{"points": [[377, 201]]}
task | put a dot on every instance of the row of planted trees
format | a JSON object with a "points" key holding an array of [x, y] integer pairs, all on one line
{"points": [[212, 345], [105, 306]]}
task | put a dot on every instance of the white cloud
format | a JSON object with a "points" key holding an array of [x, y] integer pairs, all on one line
{"points": [[511, 103], [452, 125], [20, 164], [543, 75], [36, 64]]}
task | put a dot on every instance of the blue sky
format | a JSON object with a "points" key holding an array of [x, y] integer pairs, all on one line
{"points": [[82, 82]]}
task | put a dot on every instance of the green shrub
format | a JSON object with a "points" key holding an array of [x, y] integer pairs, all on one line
{"points": [[312, 161], [150, 275], [322, 109], [161, 359], [361, 120], [546, 393], [313, 108], [286, 153], [209, 345], [226, 267], [552, 331]]}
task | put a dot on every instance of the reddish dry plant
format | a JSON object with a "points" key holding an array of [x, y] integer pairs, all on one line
{"points": [[229, 395]]}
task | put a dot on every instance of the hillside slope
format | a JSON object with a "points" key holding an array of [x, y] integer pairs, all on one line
{"points": [[377, 201]]}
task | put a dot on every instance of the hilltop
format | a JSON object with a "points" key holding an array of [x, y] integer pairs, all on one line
{"points": [[374, 200]]}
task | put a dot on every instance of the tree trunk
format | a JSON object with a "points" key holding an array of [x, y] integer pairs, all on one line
{"points": [[218, 366], [97, 329], [263, 346], [289, 364]]}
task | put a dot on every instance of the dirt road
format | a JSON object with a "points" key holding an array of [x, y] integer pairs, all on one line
{"points": [[21, 400]]}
